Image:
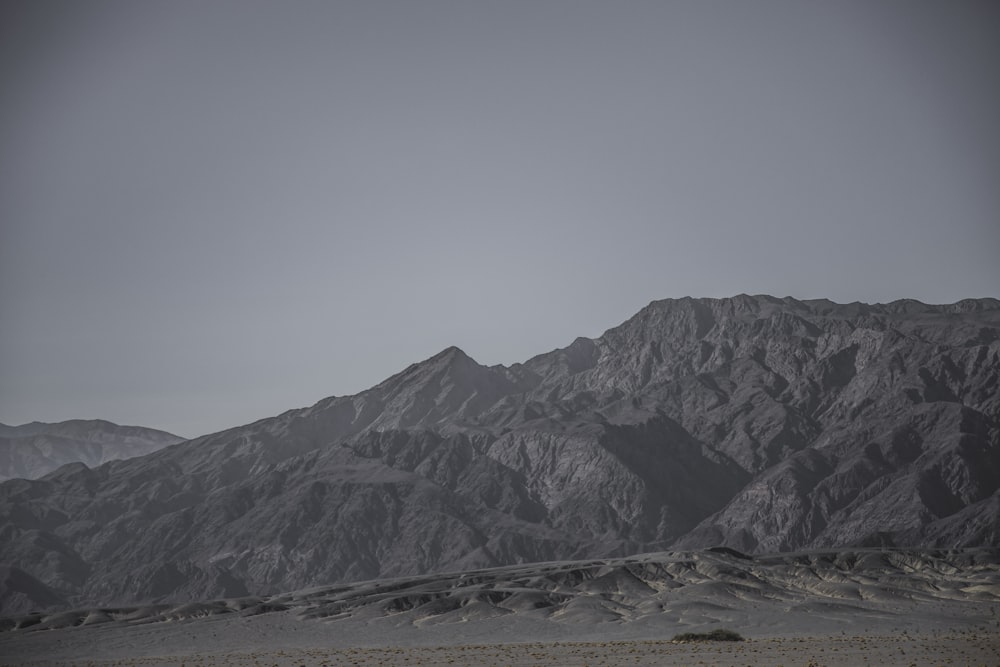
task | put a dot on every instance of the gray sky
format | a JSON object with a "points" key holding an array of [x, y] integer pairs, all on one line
{"points": [[215, 211]]}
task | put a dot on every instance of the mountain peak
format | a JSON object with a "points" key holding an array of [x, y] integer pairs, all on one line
{"points": [[449, 360], [451, 353], [448, 384]]}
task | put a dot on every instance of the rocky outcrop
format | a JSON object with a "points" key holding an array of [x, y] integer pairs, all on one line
{"points": [[754, 423]]}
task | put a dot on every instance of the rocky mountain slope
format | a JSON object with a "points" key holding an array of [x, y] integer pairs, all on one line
{"points": [[755, 423], [32, 450]]}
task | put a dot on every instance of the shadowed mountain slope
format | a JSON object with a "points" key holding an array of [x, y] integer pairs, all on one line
{"points": [[757, 423]]}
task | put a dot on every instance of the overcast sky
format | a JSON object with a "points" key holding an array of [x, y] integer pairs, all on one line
{"points": [[216, 211]]}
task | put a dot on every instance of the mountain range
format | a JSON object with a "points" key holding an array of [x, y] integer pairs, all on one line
{"points": [[32, 450], [752, 423]]}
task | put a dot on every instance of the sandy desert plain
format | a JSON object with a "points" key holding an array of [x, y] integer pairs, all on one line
{"points": [[850, 608]]}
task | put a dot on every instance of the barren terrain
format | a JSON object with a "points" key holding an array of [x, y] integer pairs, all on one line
{"points": [[860, 607]]}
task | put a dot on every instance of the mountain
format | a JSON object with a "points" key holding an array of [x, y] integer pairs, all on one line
{"points": [[753, 423], [32, 450]]}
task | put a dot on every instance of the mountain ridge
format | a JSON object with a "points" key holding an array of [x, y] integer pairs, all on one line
{"points": [[753, 423], [34, 449]]}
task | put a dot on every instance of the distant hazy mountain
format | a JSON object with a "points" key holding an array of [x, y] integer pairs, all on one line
{"points": [[755, 423], [34, 449]]}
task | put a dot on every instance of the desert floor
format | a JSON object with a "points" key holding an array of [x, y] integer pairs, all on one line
{"points": [[951, 650]]}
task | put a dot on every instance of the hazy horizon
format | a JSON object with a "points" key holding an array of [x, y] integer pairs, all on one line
{"points": [[214, 212]]}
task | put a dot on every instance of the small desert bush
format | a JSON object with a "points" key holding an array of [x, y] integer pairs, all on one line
{"points": [[720, 635]]}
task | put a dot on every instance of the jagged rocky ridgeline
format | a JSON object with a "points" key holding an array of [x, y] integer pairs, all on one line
{"points": [[756, 423]]}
